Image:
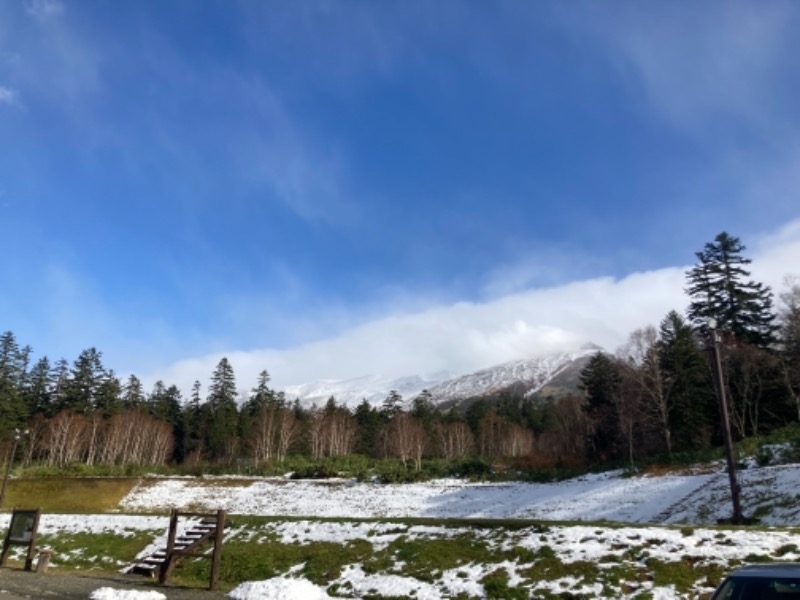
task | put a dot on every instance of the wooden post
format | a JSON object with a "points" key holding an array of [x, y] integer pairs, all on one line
{"points": [[216, 558], [166, 566], [32, 546], [207, 532]]}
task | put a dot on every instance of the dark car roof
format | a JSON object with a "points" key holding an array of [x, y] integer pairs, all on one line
{"points": [[768, 570]]}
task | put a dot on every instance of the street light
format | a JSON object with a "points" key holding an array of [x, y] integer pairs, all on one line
{"points": [[17, 435], [726, 423]]}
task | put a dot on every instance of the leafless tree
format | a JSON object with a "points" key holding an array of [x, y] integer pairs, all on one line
{"points": [[490, 435], [94, 425], [65, 439], [135, 438], [789, 322], [316, 434], [646, 401], [37, 432], [406, 438], [747, 371], [516, 441], [264, 433], [455, 440], [565, 441], [288, 430], [340, 428]]}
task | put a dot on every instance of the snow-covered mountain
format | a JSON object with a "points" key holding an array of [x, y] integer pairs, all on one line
{"points": [[351, 392], [525, 376]]}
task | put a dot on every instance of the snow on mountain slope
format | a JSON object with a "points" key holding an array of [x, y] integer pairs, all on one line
{"points": [[532, 374], [351, 392]]}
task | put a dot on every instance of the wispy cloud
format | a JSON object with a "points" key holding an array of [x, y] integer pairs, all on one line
{"points": [[697, 64], [54, 60], [272, 149], [8, 96], [44, 9]]}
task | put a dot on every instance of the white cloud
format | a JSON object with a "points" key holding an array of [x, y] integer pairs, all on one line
{"points": [[777, 256], [464, 336], [305, 172], [44, 9], [8, 96], [695, 63]]}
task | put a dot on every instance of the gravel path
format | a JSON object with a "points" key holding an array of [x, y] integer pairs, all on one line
{"points": [[17, 584]]}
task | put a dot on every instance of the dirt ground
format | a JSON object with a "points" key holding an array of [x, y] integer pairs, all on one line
{"points": [[16, 584]]}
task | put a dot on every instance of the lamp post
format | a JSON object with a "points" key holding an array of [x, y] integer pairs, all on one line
{"points": [[17, 435], [726, 423]]}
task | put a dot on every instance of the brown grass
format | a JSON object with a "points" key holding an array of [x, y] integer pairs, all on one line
{"points": [[78, 495]]}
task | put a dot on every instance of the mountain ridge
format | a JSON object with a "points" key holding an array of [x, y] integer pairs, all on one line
{"points": [[527, 376]]}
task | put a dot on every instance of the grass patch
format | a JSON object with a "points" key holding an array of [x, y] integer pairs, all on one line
{"points": [[684, 573], [426, 558], [320, 562], [432, 551], [87, 551], [65, 495], [496, 586]]}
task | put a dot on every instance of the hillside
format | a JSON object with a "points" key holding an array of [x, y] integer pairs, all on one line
{"points": [[553, 375]]}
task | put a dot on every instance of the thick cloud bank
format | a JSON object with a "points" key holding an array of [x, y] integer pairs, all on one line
{"points": [[463, 337]]}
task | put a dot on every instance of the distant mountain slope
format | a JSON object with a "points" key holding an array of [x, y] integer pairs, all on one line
{"points": [[525, 377], [554, 375], [351, 392]]}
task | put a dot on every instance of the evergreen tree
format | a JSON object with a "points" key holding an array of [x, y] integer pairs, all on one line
{"points": [[108, 397], [425, 411], [38, 390], [719, 289], [85, 378], [475, 414], [13, 411], [688, 386], [369, 425], [224, 416], [392, 405], [262, 395], [600, 380], [262, 398], [165, 404], [193, 439], [59, 379], [133, 393]]}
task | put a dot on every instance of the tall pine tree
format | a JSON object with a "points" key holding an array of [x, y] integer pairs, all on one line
{"points": [[600, 380], [13, 365], [688, 387], [719, 288], [224, 416]]}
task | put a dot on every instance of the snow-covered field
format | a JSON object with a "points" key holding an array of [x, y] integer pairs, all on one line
{"points": [[771, 493], [639, 507]]}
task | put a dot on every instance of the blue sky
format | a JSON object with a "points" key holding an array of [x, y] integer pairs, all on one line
{"points": [[327, 189]]}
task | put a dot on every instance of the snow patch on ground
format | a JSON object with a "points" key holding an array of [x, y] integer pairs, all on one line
{"points": [[697, 498], [278, 588], [106, 593]]}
